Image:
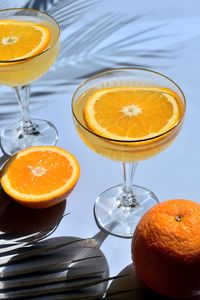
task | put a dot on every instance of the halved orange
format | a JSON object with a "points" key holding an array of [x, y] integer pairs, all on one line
{"points": [[40, 176], [131, 113], [22, 39]]}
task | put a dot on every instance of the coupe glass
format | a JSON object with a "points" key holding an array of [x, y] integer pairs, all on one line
{"points": [[19, 74], [118, 209]]}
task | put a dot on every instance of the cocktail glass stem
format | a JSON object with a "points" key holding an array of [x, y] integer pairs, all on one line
{"points": [[23, 95], [128, 198], [26, 132]]}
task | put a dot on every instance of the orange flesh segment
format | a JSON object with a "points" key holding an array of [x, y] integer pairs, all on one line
{"points": [[55, 169]]}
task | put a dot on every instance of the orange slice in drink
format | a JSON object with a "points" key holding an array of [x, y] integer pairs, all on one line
{"points": [[131, 113], [22, 39], [40, 176]]}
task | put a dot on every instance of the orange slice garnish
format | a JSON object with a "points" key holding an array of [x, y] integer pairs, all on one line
{"points": [[40, 176], [22, 39], [131, 113]]}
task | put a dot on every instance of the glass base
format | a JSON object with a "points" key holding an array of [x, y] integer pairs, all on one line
{"points": [[120, 220], [14, 139]]}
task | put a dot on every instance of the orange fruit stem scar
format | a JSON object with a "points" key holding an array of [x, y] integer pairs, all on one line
{"points": [[40, 176]]}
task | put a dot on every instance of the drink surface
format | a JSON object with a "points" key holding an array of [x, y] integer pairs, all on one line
{"points": [[128, 123], [17, 35]]}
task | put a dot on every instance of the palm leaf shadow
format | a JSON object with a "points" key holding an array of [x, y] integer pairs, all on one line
{"points": [[65, 12], [91, 48], [43, 5], [91, 35], [83, 54], [68, 12]]}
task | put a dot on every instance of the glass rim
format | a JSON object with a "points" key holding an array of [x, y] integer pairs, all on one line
{"points": [[44, 51], [128, 69]]}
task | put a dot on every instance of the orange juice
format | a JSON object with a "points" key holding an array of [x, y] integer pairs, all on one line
{"points": [[24, 71], [128, 123]]}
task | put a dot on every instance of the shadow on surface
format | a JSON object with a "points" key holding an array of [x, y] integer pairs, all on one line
{"points": [[57, 268], [129, 287], [32, 267], [18, 222]]}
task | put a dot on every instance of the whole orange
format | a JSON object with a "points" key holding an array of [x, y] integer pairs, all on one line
{"points": [[166, 248]]}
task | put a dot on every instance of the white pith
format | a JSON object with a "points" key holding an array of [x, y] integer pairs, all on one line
{"points": [[37, 171], [131, 110], [9, 40]]}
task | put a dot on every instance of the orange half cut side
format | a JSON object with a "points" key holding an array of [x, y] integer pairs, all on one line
{"points": [[40, 176]]}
